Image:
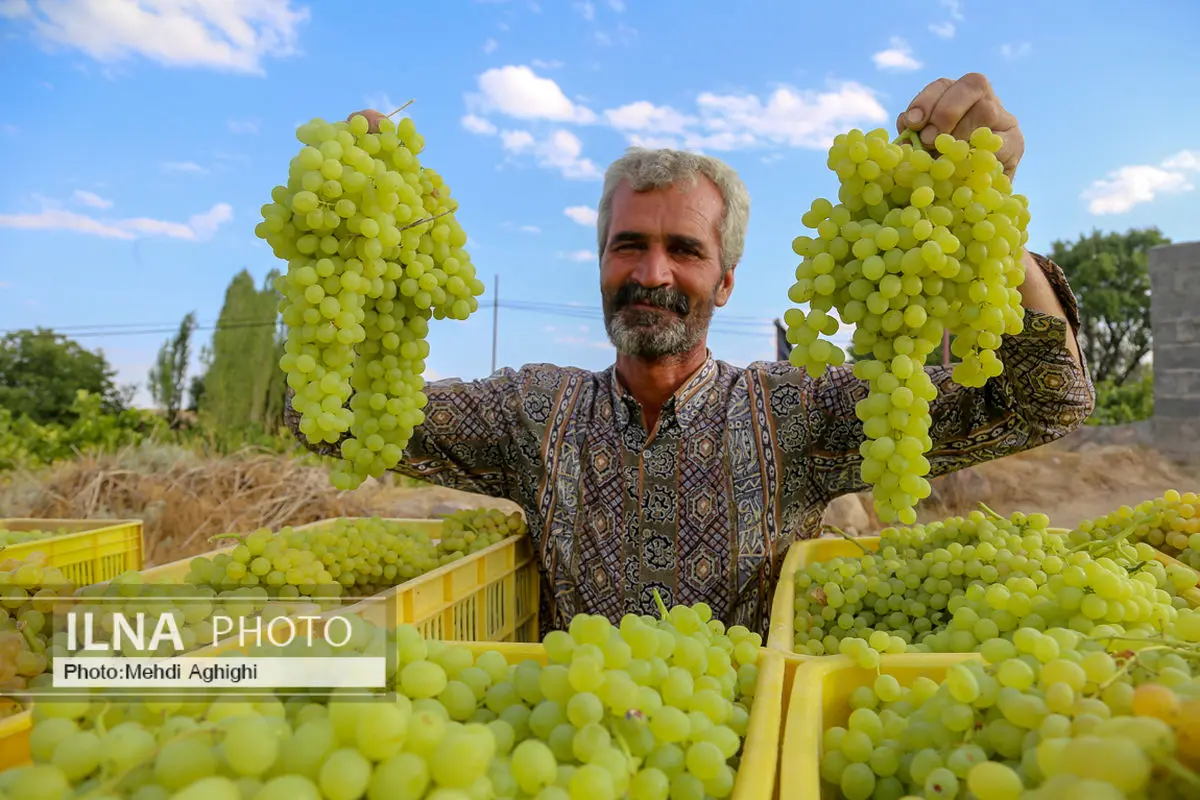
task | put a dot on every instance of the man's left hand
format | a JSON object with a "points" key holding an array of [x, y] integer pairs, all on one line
{"points": [[958, 108]]}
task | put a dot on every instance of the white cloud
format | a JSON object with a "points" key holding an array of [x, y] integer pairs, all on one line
{"points": [[584, 215], [198, 227], [184, 166], [788, 117], [616, 5], [1014, 51], [518, 91], [529, 229], [517, 141], [244, 125], [1133, 185], [15, 9], [586, 10], [1185, 159], [561, 150], [579, 255], [91, 199], [478, 125], [231, 35], [954, 8], [897, 58], [490, 46], [11, 130], [943, 29], [540, 64], [645, 116]]}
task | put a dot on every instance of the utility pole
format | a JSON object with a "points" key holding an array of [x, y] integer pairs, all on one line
{"points": [[495, 319]]}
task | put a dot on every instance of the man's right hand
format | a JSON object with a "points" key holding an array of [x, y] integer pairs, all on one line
{"points": [[372, 116]]}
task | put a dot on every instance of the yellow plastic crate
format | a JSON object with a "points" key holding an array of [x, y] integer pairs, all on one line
{"points": [[819, 699], [14, 740], [760, 751], [488, 596], [94, 551], [781, 635]]}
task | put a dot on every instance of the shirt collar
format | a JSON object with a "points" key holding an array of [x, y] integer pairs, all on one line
{"points": [[686, 403]]}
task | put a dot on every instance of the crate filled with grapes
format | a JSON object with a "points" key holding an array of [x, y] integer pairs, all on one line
{"points": [[675, 706], [1043, 715], [950, 585], [87, 551]]}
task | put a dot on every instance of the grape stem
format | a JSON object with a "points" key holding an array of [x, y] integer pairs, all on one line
{"points": [[990, 512], [240, 538], [658, 601], [427, 219], [1180, 771], [401, 108], [912, 137], [847, 537]]}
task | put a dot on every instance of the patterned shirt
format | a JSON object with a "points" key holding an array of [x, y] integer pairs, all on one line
{"points": [[742, 462]]}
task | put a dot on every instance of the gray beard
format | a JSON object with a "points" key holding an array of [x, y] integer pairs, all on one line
{"points": [[655, 334]]}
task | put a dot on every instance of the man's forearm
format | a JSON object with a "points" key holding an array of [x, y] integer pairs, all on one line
{"points": [[1038, 295]]}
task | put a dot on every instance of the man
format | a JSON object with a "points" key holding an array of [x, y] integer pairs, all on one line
{"points": [[675, 472]]}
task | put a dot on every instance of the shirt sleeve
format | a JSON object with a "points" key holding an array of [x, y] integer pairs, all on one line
{"points": [[466, 439], [1042, 395]]}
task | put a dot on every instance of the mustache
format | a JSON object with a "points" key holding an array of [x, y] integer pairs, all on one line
{"points": [[659, 297]]}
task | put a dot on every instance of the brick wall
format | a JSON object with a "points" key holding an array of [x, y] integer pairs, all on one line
{"points": [[1175, 314]]}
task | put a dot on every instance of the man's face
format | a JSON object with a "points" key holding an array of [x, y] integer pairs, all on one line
{"points": [[660, 277]]}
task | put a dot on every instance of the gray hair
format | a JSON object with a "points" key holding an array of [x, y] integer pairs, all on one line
{"points": [[658, 169]]}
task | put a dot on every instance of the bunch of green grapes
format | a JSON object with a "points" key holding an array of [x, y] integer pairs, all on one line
{"points": [[348, 557], [951, 585], [920, 243], [30, 593], [374, 252], [1044, 715], [470, 530], [10, 537], [1170, 523], [649, 709]]}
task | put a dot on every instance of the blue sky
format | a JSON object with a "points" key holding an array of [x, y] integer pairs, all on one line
{"points": [[139, 139]]}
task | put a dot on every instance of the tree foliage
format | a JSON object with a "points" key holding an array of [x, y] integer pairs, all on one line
{"points": [[243, 385], [1110, 276], [25, 443], [1131, 401], [41, 373], [168, 376]]}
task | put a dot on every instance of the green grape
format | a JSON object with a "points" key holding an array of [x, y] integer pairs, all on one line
{"points": [[919, 245]]}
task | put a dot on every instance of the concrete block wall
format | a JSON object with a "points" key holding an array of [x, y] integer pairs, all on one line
{"points": [[1175, 317]]}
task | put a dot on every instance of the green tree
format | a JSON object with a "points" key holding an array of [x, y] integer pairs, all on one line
{"points": [[1110, 275], [168, 376], [243, 385], [41, 371]]}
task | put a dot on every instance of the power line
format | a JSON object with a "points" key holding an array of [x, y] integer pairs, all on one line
{"points": [[733, 325]]}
